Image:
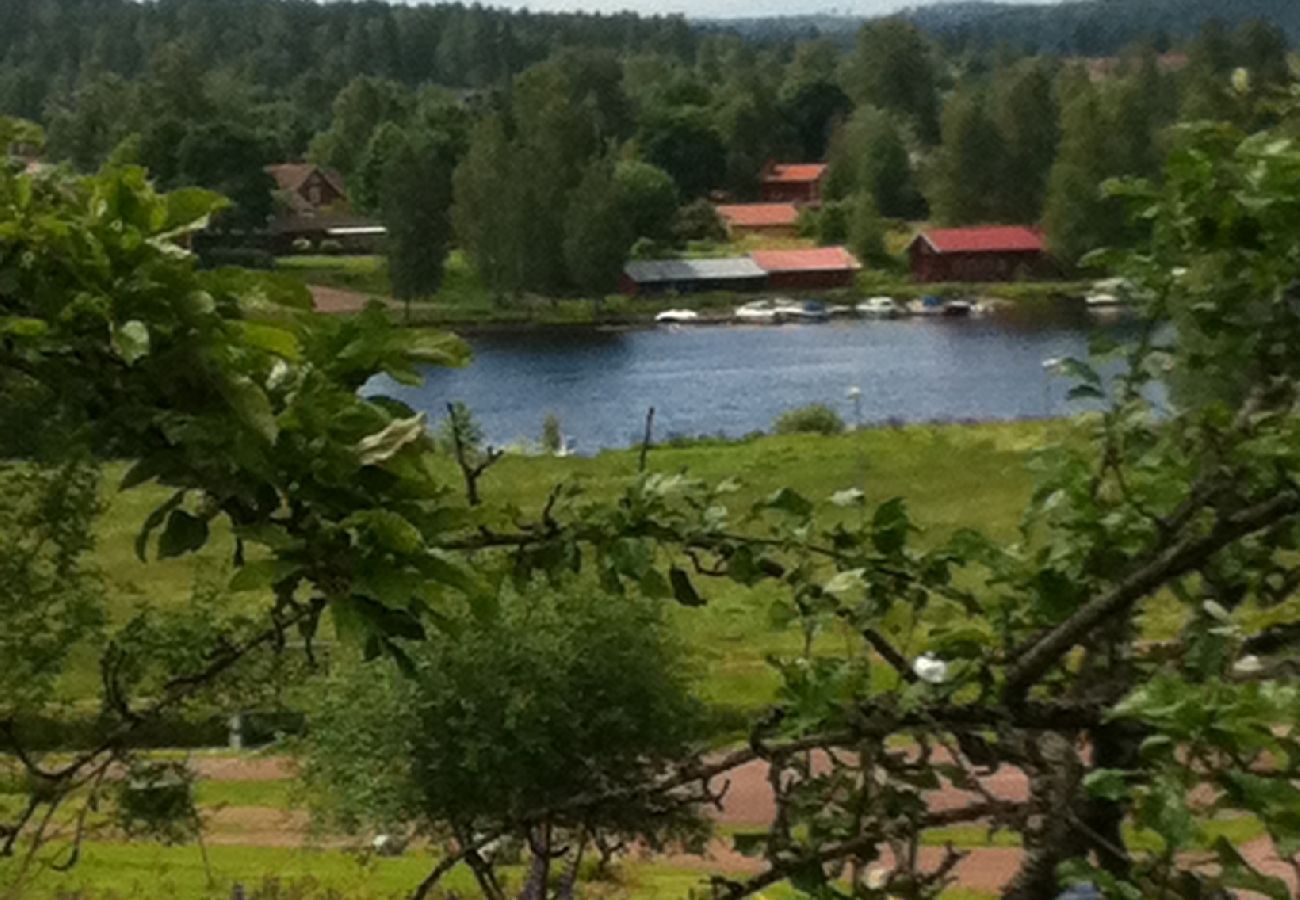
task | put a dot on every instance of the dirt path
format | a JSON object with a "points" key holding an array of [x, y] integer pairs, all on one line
{"points": [[748, 802], [343, 302]]}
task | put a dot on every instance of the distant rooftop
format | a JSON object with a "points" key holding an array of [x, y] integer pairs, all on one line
{"points": [[794, 173], [759, 215], [820, 259], [985, 239], [650, 271]]}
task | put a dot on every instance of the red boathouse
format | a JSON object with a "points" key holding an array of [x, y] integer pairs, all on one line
{"points": [[990, 253]]}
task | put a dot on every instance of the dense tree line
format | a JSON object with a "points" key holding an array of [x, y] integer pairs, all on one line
{"points": [[550, 148]]}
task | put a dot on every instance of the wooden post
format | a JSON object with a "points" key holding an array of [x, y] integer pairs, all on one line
{"points": [[645, 441]]}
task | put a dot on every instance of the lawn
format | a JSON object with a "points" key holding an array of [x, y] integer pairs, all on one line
{"points": [[952, 476], [145, 872]]}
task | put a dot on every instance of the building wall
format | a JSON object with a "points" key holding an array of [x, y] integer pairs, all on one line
{"points": [[929, 266], [796, 192], [811, 281], [766, 231], [318, 191]]}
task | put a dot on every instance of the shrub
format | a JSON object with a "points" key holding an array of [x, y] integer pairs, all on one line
{"points": [[552, 434], [816, 418]]}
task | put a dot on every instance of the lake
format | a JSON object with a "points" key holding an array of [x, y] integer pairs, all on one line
{"points": [[733, 380]]}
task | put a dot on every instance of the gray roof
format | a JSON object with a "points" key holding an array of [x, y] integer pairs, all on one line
{"points": [[652, 270]]}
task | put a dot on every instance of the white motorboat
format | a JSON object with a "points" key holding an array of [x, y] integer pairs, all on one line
{"points": [[958, 308], [879, 308], [805, 311], [760, 312], [1108, 293], [677, 317]]}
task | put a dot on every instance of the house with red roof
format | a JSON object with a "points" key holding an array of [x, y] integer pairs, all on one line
{"points": [[793, 182], [766, 219], [985, 253], [799, 270]]}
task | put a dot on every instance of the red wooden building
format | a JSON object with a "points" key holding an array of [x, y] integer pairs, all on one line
{"points": [[798, 270], [793, 182], [992, 253]]}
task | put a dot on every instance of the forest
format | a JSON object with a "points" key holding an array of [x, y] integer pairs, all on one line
{"points": [[550, 148]]}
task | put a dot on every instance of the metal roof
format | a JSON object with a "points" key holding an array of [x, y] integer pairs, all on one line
{"points": [[986, 239], [816, 259], [650, 271]]}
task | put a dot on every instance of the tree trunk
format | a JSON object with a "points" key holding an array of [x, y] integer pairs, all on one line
{"points": [[539, 872]]}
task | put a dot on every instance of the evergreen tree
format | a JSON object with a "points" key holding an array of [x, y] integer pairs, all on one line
{"points": [[597, 234], [969, 174], [893, 69], [1024, 105], [415, 198], [869, 153], [865, 230]]}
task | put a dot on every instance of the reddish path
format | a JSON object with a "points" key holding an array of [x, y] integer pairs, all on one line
{"points": [[748, 801], [339, 301]]}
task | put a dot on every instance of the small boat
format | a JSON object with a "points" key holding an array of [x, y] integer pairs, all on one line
{"points": [[807, 311], [958, 308], [1108, 293], [760, 312], [879, 308], [677, 317]]}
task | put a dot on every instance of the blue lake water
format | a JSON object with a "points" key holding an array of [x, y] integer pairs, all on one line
{"points": [[738, 379]]}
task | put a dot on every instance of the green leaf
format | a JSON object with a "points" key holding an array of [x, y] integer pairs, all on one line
{"points": [[683, 591], [438, 348], [390, 530], [383, 444], [155, 519], [189, 209], [890, 525], [131, 341], [251, 405], [1106, 784], [274, 537], [21, 327], [852, 581], [789, 501], [184, 534], [262, 574], [279, 341]]}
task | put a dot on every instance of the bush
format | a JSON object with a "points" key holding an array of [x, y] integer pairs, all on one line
{"points": [[816, 418]]}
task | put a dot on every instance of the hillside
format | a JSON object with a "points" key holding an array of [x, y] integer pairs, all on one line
{"points": [[1080, 27]]}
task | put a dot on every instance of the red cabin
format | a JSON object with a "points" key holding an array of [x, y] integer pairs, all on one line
{"points": [[992, 253], [800, 270], [793, 183]]}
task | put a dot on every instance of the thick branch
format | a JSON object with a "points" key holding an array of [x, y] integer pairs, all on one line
{"points": [[1176, 560]]}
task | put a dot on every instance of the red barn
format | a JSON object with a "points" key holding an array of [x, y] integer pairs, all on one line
{"points": [[793, 182], [798, 270], [767, 219], [993, 253]]}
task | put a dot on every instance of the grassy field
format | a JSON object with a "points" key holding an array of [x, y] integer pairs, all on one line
{"points": [[952, 476]]}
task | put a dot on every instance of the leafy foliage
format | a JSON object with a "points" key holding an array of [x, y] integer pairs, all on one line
{"points": [[515, 712]]}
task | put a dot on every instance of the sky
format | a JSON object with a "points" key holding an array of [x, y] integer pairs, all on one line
{"points": [[731, 8]]}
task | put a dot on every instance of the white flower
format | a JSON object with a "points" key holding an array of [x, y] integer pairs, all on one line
{"points": [[930, 668], [877, 877], [1248, 665], [850, 497]]}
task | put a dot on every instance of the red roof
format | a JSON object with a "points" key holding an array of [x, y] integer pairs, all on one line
{"points": [[759, 215], [822, 259], [991, 239], [794, 173]]}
